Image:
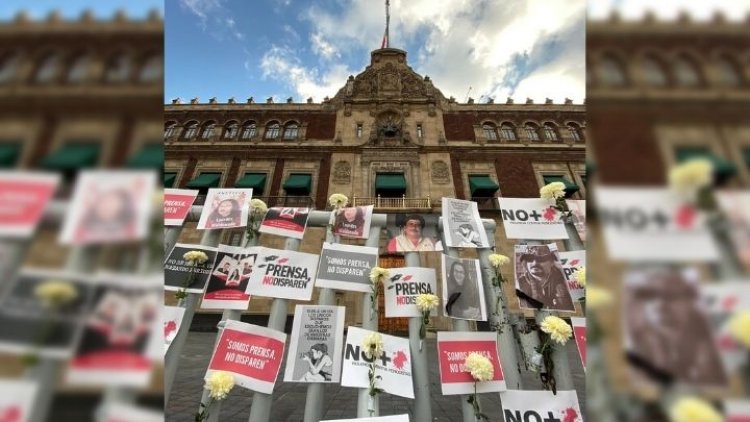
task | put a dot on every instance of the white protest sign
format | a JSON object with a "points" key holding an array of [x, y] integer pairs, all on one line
{"points": [[172, 317], [346, 267], [283, 274], [225, 209], [316, 343], [403, 287], [571, 261], [390, 418], [394, 366], [529, 405], [17, 399], [462, 225], [531, 218]]}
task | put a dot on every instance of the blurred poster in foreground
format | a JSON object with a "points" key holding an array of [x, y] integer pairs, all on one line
{"points": [[23, 199]]}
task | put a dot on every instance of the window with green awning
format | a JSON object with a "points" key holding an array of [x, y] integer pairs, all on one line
{"points": [[9, 154], [151, 156], [482, 186], [205, 181], [723, 169], [169, 179], [570, 187], [390, 184], [72, 156], [254, 181], [298, 184]]}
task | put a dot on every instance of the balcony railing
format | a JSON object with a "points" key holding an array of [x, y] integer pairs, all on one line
{"points": [[273, 201], [486, 203], [393, 203]]}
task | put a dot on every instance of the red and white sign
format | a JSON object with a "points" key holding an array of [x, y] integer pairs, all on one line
{"points": [[529, 405], [283, 274], [23, 198], [251, 353], [721, 302], [172, 318], [225, 209], [579, 331], [177, 203], [737, 410], [453, 348], [229, 278], [531, 218], [118, 412], [578, 208], [287, 222], [16, 399], [403, 287], [571, 261]]}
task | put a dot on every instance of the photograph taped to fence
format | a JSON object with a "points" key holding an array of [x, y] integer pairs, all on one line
{"points": [[285, 221], [317, 340], [540, 279], [178, 273], [463, 295], [412, 233], [354, 222], [462, 225], [229, 278], [225, 209]]}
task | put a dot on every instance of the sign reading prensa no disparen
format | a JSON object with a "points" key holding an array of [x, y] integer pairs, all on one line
{"points": [[283, 274]]}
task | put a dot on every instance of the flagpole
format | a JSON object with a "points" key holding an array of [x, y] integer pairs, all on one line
{"points": [[387, 21]]}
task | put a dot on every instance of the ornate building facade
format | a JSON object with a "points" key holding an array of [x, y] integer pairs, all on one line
{"points": [[388, 137]]}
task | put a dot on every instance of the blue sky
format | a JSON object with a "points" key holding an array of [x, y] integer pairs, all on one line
{"points": [[71, 9], [283, 48]]}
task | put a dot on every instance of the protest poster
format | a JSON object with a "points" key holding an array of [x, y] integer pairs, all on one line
{"points": [[462, 225], [17, 399], [225, 209], [389, 418], [412, 233], [28, 326], [394, 366], [403, 287], [251, 353], [530, 405], [540, 279], [653, 225], [463, 295], [578, 208], [737, 410], [179, 275], [113, 349], [23, 199], [666, 333], [721, 301], [172, 317], [572, 261], [353, 222], [284, 221], [109, 207], [346, 267], [579, 332], [453, 348], [283, 274], [736, 207], [120, 412], [229, 278], [531, 218], [316, 343], [177, 204]]}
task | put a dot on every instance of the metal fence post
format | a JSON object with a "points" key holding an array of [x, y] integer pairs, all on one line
{"points": [[171, 234], [420, 374], [260, 410]]}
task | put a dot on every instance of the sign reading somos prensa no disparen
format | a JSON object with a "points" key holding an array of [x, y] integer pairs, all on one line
{"points": [[283, 274], [346, 267], [403, 287], [453, 348]]}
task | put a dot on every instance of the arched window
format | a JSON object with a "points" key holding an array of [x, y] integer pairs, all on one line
{"points": [[290, 131], [727, 72], [249, 129], [191, 130], [272, 130], [49, 69], [152, 69], [575, 132], [489, 132], [169, 129], [685, 72], [208, 130], [9, 67], [653, 72], [610, 71], [508, 132], [550, 132], [231, 129], [532, 131], [79, 70], [118, 68]]}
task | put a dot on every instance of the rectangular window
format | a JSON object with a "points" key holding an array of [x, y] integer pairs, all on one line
{"points": [[419, 131], [359, 130]]}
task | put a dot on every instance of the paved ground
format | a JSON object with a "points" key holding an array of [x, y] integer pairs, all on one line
{"points": [[340, 402]]}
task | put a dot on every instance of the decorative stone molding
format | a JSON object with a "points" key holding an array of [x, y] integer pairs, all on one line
{"points": [[342, 172], [440, 173]]}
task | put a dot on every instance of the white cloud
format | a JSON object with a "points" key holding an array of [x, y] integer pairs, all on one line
{"points": [[213, 17], [322, 47]]}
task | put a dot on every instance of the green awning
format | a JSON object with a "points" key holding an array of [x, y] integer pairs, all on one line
{"points": [[72, 156], [205, 180], [723, 169], [150, 156], [590, 167], [482, 186], [570, 187], [747, 156], [169, 179], [298, 184], [255, 181], [392, 182], [9, 154]]}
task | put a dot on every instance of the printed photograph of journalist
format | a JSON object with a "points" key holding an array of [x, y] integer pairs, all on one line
{"points": [[411, 237], [540, 280], [463, 298]]}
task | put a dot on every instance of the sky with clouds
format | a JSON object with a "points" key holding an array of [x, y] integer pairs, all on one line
{"points": [[283, 48]]}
